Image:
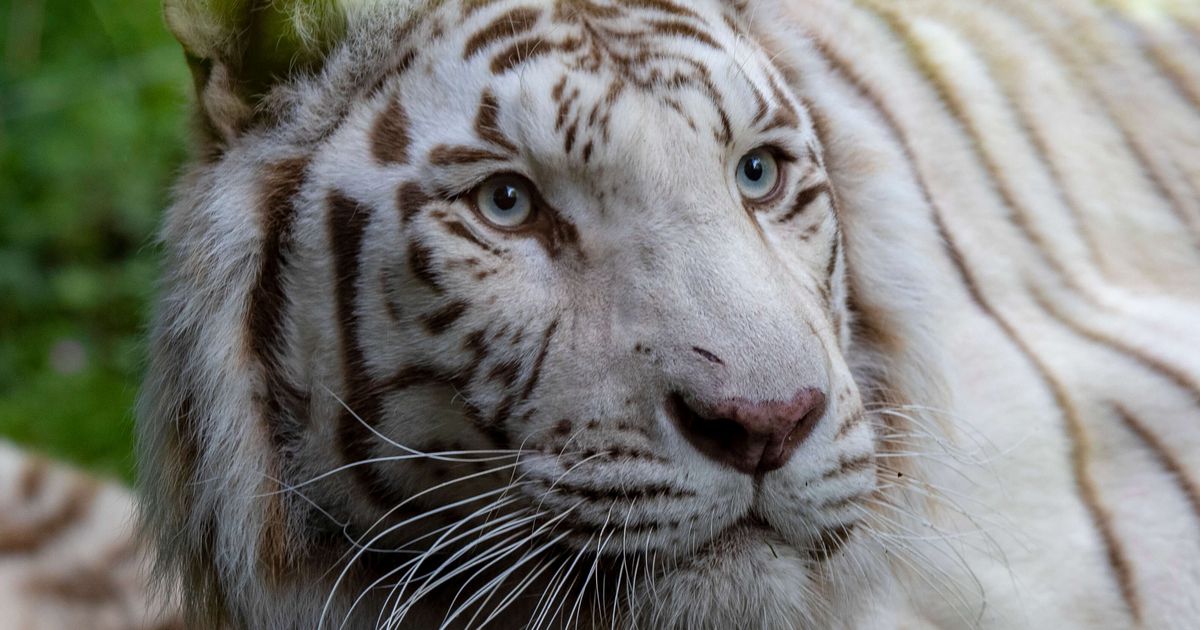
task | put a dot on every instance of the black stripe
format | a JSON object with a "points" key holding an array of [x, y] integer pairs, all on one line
{"points": [[347, 223]]}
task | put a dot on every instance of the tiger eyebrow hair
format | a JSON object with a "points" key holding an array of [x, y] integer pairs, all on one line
{"points": [[785, 114], [511, 24], [459, 154], [486, 124]]}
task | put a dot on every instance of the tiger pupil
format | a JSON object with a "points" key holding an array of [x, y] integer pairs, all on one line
{"points": [[754, 169], [505, 197]]}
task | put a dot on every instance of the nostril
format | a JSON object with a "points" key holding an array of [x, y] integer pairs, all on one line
{"points": [[719, 430], [722, 439], [753, 437]]}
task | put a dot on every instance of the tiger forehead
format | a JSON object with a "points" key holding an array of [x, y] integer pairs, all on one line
{"points": [[560, 70]]}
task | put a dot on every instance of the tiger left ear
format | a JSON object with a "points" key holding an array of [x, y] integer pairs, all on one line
{"points": [[239, 49]]}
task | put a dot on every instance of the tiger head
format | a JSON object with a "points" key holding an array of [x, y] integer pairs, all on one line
{"points": [[511, 306]]}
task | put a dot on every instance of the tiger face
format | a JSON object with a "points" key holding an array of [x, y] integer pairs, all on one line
{"points": [[564, 316]]}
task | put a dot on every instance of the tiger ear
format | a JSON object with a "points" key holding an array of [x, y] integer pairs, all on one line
{"points": [[239, 49]]}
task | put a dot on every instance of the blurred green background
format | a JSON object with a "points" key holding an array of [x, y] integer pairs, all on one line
{"points": [[93, 108]]}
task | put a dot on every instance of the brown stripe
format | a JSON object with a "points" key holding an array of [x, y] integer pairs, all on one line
{"points": [[852, 465], [527, 49], [280, 400], [556, 92], [564, 108], [443, 155], [469, 7], [389, 136], [1149, 362], [1187, 90], [832, 541], [569, 141], [414, 376], [442, 319], [726, 133], [507, 25], [558, 485], [420, 263], [1142, 151], [1016, 212], [505, 372], [782, 119], [29, 537], [459, 230], [781, 100], [347, 223], [536, 371], [183, 447], [264, 323], [400, 67], [411, 199], [850, 424], [676, 28], [661, 5], [761, 109], [33, 477], [500, 417], [786, 116], [1029, 131], [805, 199], [78, 587], [1099, 514], [487, 124], [1164, 456], [835, 256]]}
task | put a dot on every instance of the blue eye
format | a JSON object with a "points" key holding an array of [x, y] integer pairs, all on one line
{"points": [[505, 200], [757, 174]]}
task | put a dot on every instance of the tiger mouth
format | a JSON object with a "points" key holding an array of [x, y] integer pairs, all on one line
{"points": [[751, 531]]}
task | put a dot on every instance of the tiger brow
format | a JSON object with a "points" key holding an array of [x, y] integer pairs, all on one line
{"points": [[461, 154]]}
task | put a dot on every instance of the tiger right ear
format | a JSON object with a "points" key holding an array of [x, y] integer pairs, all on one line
{"points": [[239, 49]]}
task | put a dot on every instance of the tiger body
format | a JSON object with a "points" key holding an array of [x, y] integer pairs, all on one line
{"points": [[372, 402], [68, 554]]}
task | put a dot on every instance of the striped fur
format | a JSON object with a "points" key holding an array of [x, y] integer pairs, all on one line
{"points": [[68, 557], [367, 404]]}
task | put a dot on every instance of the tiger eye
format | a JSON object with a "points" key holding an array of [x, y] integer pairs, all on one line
{"points": [[757, 174], [505, 201]]}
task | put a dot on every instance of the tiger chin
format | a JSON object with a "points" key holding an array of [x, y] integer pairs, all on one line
{"points": [[534, 314]]}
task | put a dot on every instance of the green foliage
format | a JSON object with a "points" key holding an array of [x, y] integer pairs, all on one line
{"points": [[93, 101]]}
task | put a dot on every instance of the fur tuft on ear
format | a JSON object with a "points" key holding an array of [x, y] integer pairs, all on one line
{"points": [[255, 32], [239, 49]]}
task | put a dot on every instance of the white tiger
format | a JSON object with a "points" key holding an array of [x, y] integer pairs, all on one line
{"points": [[68, 554], [645, 313]]}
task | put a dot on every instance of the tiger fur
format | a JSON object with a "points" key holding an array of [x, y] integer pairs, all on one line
{"points": [[370, 406], [68, 554]]}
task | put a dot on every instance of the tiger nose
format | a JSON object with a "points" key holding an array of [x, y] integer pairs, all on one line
{"points": [[753, 437]]}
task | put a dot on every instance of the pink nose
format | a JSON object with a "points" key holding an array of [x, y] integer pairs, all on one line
{"points": [[753, 437]]}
